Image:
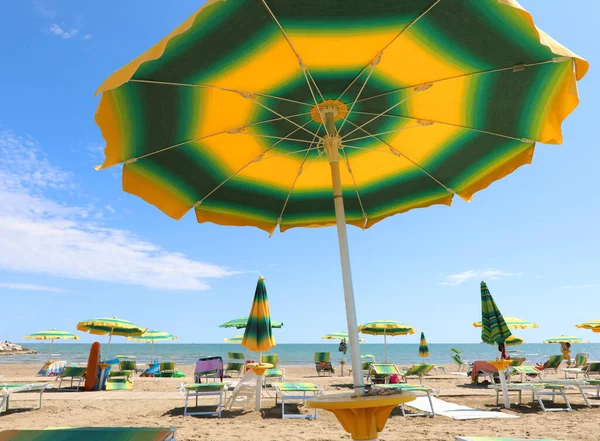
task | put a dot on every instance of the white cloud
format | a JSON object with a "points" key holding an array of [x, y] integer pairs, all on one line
{"points": [[88, 36], [578, 287], [28, 287], [490, 274], [45, 8], [57, 30], [41, 235], [110, 208]]}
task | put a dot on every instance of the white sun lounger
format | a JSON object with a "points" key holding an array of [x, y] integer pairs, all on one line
{"points": [[243, 392], [6, 390], [582, 386], [538, 391], [418, 391], [204, 390], [296, 391]]}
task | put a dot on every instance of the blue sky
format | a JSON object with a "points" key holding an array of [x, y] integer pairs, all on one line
{"points": [[74, 246]]}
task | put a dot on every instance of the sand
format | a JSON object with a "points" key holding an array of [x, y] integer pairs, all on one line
{"points": [[162, 406]]}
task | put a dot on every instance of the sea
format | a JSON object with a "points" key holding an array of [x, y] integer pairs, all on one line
{"points": [[290, 354]]}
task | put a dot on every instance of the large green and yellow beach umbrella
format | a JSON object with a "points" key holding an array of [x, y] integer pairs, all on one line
{"points": [[386, 328], [283, 114], [494, 329], [110, 326], [423, 347], [153, 336], [235, 339], [51, 334], [513, 323], [241, 323], [258, 336], [593, 325]]}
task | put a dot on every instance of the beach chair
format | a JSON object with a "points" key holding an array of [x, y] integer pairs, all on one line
{"points": [[244, 392], [380, 372], [203, 390], [166, 369], [366, 364], [74, 373], [92, 434], [487, 438], [296, 391], [460, 362], [119, 380], [235, 363], [52, 368], [8, 389], [208, 367], [578, 366], [128, 363], [274, 372], [419, 391], [538, 392], [592, 368], [529, 373], [323, 363], [517, 361], [582, 386], [417, 370], [553, 363]]}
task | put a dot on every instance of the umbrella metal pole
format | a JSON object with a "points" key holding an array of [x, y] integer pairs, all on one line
{"points": [[385, 345], [332, 143]]}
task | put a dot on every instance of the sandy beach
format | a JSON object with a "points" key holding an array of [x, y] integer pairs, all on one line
{"points": [[156, 402]]}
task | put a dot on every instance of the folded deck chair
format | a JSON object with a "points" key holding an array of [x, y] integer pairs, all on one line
{"points": [[366, 364], [274, 372], [538, 392], [419, 391], [460, 362], [128, 364], [52, 368], [592, 368], [208, 367], [553, 363], [119, 380], [380, 372], [167, 369], [8, 389], [235, 363], [323, 363], [92, 434], [73, 373], [243, 392], [296, 391], [203, 390], [517, 361], [417, 370], [528, 373], [582, 386]]}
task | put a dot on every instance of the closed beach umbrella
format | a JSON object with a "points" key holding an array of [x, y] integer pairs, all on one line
{"points": [[565, 339], [241, 323], [110, 326], [235, 339], [493, 327], [152, 337], [52, 334], [593, 325], [258, 336], [328, 112], [423, 348], [513, 323], [385, 328]]}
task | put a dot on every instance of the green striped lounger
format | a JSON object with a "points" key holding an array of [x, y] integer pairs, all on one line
{"points": [[419, 391], [582, 386], [488, 438], [6, 390], [296, 391], [91, 434], [203, 390]]}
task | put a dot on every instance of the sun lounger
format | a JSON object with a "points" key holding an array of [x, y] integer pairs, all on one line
{"points": [[526, 372], [274, 372], [517, 361], [582, 386], [578, 366], [92, 434], [323, 363], [419, 391], [487, 438], [208, 367], [417, 370], [119, 380], [8, 389], [74, 373], [296, 391], [235, 363], [460, 362], [366, 365], [380, 372], [538, 391], [52, 368], [203, 390], [243, 392], [553, 363], [592, 368], [167, 369]]}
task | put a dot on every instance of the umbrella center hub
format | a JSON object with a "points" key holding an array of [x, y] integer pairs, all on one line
{"points": [[338, 109]]}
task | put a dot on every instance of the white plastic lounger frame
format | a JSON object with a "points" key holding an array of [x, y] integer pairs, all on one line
{"points": [[6, 392], [422, 393], [243, 392], [200, 393], [295, 395], [581, 386], [537, 392]]}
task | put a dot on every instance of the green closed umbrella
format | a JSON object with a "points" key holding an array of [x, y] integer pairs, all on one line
{"points": [[423, 348], [494, 329]]}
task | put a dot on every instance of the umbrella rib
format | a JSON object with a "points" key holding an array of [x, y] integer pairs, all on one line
{"points": [[259, 135], [426, 122], [515, 68], [398, 153], [199, 138], [373, 65], [282, 116], [362, 208], [380, 53], [224, 89], [387, 132], [256, 159], [287, 153]]}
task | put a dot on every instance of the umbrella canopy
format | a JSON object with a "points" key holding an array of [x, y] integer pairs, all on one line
{"points": [[494, 328], [241, 323], [565, 339], [258, 336], [513, 323], [513, 340], [153, 336], [52, 334], [385, 328], [110, 326], [247, 125], [593, 325], [456, 351], [235, 339], [338, 336], [423, 348]]}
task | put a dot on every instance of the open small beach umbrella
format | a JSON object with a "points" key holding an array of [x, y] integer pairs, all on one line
{"points": [[565, 339], [513, 323], [494, 329], [423, 348], [52, 334], [593, 325], [340, 336], [235, 339], [456, 351], [110, 326], [385, 328], [241, 323], [283, 114], [152, 337]]}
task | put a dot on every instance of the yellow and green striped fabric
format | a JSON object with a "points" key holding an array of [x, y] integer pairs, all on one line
{"points": [[433, 98], [91, 434], [593, 325], [153, 336], [386, 327], [52, 334], [110, 325], [513, 323], [423, 348], [339, 336], [565, 339], [513, 340], [493, 329], [258, 336], [241, 323], [235, 339]]}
